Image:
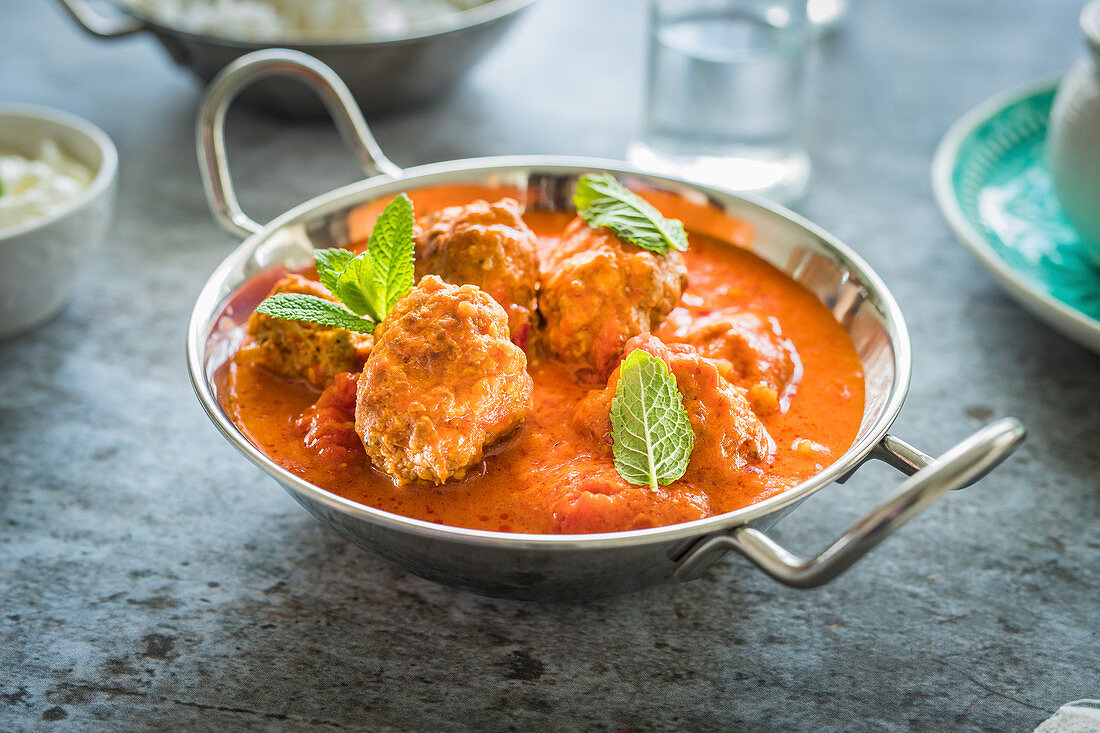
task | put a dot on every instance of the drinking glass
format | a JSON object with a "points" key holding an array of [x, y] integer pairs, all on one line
{"points": [[724, 95]]}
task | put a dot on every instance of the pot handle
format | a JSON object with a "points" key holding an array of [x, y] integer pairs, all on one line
{"points": [[210, 132], [101, 26], [895, 452], [962, 465]]}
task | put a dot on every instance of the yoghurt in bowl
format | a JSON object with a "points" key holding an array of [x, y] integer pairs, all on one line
{"points": [[57, 190], [34, 187]]}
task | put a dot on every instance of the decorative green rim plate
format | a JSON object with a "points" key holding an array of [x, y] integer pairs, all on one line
{"points": [[991, 181]]}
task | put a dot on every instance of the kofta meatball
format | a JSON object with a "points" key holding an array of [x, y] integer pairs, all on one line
{"points": [[487, 245], [761, 359], [596, 292], [728, 434], [302, 350], [442, 383]]}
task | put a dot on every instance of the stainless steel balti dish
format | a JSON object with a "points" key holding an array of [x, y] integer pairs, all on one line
{"points": [[572, 566], [385, 73]]}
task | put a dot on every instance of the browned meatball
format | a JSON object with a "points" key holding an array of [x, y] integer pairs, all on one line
{"points": [[442, 383], [488, 245], [761, 359], [598, 291], [301, 350], [728, 435]]}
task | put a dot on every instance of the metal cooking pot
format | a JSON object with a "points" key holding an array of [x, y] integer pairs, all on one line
{"points": [[385, 74], [546, 567]]}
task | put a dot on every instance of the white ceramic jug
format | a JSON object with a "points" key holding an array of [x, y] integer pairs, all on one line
{"points": [[1073, 140]]}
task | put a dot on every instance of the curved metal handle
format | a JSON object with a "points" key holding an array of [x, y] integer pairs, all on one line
{"points": [[899, 454], [908, 459], [102, 26], [962, 465], [210, 132]]}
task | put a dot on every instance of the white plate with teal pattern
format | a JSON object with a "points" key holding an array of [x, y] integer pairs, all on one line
{"points": [[991, 181]]}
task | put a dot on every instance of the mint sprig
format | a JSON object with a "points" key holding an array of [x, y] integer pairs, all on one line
{"points": [[651, 434], [303, 307], [391, 252], [604, 202], [330, 264], [366, 286]]}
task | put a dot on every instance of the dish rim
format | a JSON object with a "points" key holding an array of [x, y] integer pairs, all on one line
{"points": [[460, 20], [209, 305], [1076, 324], [100, 182]]}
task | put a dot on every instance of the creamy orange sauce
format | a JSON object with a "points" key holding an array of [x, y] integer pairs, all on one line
{"points": [[532, 481]]}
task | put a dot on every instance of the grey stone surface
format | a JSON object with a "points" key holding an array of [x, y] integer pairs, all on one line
{"points": [[152, 578]]}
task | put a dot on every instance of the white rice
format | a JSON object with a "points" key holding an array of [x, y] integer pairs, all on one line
{"points": [[319, 20]]}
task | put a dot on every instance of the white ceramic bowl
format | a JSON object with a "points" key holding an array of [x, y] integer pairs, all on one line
{"points": [[42, 256]]}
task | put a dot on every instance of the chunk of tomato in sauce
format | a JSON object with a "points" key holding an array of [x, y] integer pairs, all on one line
{"points": [[609, 506], [329, 425]]}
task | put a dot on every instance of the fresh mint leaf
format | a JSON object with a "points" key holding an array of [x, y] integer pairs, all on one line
{"points": [[373, 281], [650, 430], [604, 202], [330, 264], [366, 285], [355, 288], [391, 250], [302, 307]]}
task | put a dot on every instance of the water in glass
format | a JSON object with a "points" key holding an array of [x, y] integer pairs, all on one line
{"points": [[724, 96]]}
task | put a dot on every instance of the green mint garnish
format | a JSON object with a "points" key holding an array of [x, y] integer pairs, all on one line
{"points": [[302, 307], [366, 285], [604, 202], [330, 263], [650, 430], [355, 288], [391, 251]]}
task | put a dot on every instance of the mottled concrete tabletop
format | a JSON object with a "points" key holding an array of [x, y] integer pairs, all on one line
{"points": [[152, 578]]}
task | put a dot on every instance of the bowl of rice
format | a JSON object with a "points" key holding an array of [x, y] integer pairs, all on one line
{"points": [[393, 54], [57, 191]]}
